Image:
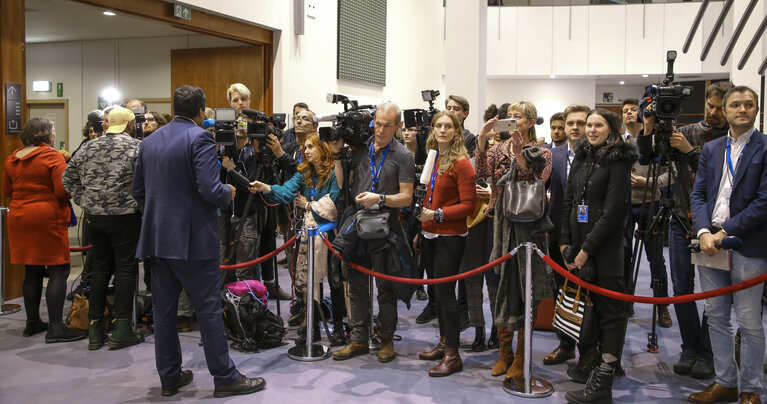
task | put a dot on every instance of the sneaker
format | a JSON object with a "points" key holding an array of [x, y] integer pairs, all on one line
{"points": [[703, 369], [686, 362], [428, 314]]}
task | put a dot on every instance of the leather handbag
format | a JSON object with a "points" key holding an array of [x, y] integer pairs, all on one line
{"points": [[524, 201], [573, 312], [371, 224], [77, 318]]}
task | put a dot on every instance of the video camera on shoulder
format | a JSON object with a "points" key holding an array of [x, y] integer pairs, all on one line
{"points": [[421, 118], [666, 102], [264, 125], [139, 113], [352, 125], [224, 124]]}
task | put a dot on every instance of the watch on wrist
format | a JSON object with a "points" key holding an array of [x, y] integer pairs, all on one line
{"points": [[381, 200], [438, 217]]}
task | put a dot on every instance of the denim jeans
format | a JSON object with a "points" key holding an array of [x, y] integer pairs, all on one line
{"points": [[748, 312], [693, 329]]}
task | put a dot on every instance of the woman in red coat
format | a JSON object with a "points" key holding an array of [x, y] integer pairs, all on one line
{"points": [[37, 227]]}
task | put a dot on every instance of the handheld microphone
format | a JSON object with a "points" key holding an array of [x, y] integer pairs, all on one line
{"points": [[325, 118], [208, 123], [238, 178], [733, 243], [420, 191], [539, 120]]}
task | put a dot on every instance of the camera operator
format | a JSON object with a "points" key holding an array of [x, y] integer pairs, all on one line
{"points": [[460, 107], [696, 358], [729, 198], [238, 96], [134, 103], [384, 173], [644, 195], [290, 134], [152, 121]]}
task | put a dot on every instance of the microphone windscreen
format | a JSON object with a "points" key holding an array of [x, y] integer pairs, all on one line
{"points": [[208, 123], [325, 118], [539, 120], [428, 166], [731, 243]]}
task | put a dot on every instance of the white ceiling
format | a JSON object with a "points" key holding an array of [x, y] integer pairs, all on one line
{"points": [[62, 20]]}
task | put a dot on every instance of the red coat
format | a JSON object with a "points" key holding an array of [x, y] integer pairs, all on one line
{"points": [[455, 192], [39, 215]]}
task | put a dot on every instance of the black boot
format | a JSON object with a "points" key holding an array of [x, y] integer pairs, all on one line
{"points": [[123, 335], [34, 327], [586, 363], [479, 339], [338, 338], [492, 342], [599, 387], [97, 336], [60, 333]]}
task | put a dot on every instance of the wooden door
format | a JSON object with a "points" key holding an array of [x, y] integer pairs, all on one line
{"points": [[215, 69], [56, 111]]}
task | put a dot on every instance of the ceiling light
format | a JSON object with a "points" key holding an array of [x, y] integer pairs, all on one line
{"points": [[645, 75], [111, 95], [109, 13], [622, 82]]}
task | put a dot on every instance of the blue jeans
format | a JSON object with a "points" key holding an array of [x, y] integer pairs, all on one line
{"points": [[748, 312], [693, 330]]}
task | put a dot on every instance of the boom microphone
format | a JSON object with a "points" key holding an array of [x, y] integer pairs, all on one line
{"points": [[325, 118], [428, 167], [733, 243]]}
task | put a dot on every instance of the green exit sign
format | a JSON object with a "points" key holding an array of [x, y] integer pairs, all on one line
{"points": [[182, 11]]}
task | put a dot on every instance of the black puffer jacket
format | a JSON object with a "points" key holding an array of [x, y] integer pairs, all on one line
{"points": [[600, 178]]}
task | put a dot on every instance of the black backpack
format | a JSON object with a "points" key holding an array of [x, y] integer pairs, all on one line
{"points": [[249, 323]]}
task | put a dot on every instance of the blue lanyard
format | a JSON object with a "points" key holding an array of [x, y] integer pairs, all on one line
{"points": [[376, 172], [434, 172], [729, 159], [313, 190], [300, 156]]}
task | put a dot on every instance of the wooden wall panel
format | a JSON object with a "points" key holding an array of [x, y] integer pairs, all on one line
{"points": [[214, 69], [12, 70]]}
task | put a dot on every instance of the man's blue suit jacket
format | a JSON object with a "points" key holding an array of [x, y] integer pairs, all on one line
{"points": [[557, 185], [177, 183], [748, 202]]}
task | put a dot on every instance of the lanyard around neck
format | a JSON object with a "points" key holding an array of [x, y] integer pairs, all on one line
{"points": [[375, 172], [729, 159], [434, 173]]}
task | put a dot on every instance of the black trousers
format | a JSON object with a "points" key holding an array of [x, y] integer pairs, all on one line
{"points": [[114, 239], [609, 315], [442, 257]]}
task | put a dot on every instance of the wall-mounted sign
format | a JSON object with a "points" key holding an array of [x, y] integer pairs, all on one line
{"points": [[182, 11], [13, 108], [59, 89]]}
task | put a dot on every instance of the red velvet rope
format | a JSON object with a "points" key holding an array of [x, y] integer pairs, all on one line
{"points": [[655, 300], [412, 281], [259, 260], [78, 249]]}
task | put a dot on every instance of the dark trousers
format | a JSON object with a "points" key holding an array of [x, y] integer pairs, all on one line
{"points": [[379, 259], [692, 328], [114, 239], [202, 282], [609, 316], [442, 257], [653, 246]]}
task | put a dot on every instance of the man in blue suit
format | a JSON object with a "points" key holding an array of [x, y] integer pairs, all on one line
{"points": [[729, 198], [176, 181]]}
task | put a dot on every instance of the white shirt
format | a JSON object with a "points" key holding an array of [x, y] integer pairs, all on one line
{"points": [[570, 158], [721, 211]]}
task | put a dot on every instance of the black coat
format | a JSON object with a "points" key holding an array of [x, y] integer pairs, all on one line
{"points": [[604, 173]]}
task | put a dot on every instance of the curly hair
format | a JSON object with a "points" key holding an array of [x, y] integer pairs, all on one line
{"points": [[324, 166], [36, 131], [457, 148]]}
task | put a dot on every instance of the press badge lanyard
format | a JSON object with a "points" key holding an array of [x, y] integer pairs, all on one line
{"points": [[583, 208], [376, 172], [434, 172], [729, 160]]}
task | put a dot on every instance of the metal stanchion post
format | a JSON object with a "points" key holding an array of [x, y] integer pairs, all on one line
{"points": [[310, 352], [4, 308], [534, 387], [373, 341]]}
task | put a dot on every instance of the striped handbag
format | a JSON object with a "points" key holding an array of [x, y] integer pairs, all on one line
{"points": [[573, 312]]}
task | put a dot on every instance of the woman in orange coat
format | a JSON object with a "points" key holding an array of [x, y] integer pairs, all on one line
{"points": [[37, 227]]}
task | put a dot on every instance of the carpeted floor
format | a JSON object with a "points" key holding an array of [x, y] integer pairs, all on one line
{"points": [[34, 372]]}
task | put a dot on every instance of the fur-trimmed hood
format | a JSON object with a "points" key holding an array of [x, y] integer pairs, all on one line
{"points": [[607, 154]]}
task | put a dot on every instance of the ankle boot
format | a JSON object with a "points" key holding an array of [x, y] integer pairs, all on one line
{"points": [[516, 372], [338, 338], [599, 387], [59, 333], [506, 354], [479, 339], [97, 336], [34, 327], [450, 364], [492, 341], [437, 353], [123, 335]]}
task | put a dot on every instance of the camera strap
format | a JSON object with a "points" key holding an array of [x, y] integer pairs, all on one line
{"points": [[375, 172]]}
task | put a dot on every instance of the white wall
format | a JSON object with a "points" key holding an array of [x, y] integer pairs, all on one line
{"points": [[139, 67]]}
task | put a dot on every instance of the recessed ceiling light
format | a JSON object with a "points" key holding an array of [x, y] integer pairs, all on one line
{"points": [[109, 13], [553, 76], [622, 82], [645, 75]]}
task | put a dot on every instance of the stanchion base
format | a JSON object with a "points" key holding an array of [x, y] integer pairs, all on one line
{"points": [[539, 388], [318, 352], [9, 309], [374, 343]]}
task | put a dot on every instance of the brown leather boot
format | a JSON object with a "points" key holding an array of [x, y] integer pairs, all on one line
{"points": [[450, 364], [517, 370], [437, 353], [351, 350], [386, 351], [505, 354]]}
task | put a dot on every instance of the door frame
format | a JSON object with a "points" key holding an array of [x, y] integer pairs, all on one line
{"points": [[56, 102]]}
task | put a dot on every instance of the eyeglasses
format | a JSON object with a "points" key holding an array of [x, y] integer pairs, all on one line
{"points": [[150, 119]]}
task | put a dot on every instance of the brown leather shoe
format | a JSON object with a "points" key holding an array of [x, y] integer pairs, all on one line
{"points": [[664, 318], [386, 351], [749, 398], [450, 364], [558, 356], [714, 393], [351, 350], [437, 353]]}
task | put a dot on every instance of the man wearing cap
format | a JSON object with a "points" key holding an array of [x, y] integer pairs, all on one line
{"points": [[99, 177]]}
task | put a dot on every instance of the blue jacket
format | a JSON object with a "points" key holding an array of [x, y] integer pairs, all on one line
{"points": [[176, 181], [748, 203], [286, 192], [557, 185]]}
